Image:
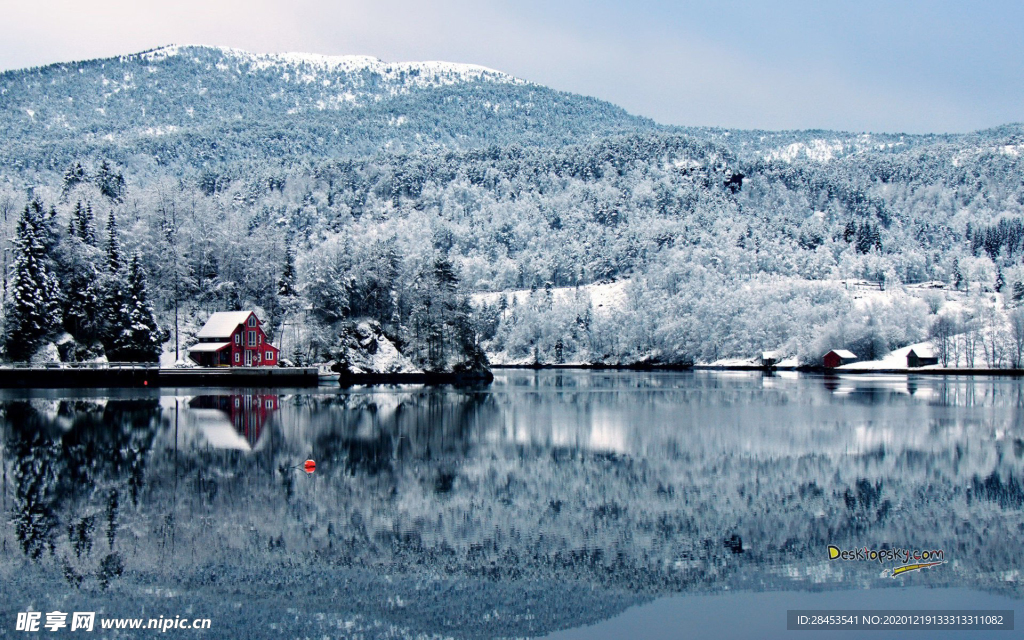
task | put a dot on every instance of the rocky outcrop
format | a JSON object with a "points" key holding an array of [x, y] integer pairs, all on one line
{"points": [[364, 349], [367, 356]]}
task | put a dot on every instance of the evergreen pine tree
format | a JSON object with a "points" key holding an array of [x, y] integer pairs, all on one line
{"points": [[114, 297], [442, 318], [82, 225], [83, 315], [33, 307], [75, 224], [134, 333], [46, 227], [849, 231], [868, 238], [958, 276], [86, 224], [74, 175], [286, 284], [114, 293], [113, 246], [1000, 282], [110, 184]]}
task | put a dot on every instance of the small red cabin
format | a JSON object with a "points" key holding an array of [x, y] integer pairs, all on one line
{"points": [[233, 339], [838, 357], [921, 357]]}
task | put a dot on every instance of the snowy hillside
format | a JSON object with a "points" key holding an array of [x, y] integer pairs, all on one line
{"points": [[350, 73], [326, 190], [196, 105]]}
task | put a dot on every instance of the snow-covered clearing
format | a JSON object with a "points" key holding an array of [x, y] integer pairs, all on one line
{"points": [[605, 297]]}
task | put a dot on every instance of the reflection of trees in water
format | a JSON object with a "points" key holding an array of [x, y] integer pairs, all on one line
{"points": [[68, 469], [1007, 492], [36, 473], [433, 427], [427, 482]]}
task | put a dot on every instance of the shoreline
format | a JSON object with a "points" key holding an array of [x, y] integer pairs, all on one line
{"points": [[959, 371], [423, 378], [142, 376], [640, 366]]}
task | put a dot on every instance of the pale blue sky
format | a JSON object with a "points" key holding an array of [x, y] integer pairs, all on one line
{"points": [[870, 65]]}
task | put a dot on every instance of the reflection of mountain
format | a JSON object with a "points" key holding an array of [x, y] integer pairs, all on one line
{"points": [[556, 499], [233, 421]]}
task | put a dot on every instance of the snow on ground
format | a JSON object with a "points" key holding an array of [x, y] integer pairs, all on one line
{"points": [[897, 359], [311, 68], [605, 297], [502, 358], [726, 363], [790, 362], [167, 359], [817, 150]]}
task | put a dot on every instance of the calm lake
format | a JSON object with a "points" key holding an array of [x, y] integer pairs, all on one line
{"points": [[567, 503]]}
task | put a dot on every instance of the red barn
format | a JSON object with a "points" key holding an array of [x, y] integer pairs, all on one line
{"points": [[233, 339]]}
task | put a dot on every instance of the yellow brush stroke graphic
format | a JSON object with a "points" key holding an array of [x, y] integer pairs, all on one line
{"points": [[913, 567]]}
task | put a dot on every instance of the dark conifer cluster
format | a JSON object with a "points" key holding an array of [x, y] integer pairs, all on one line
{"points": [[64, 282]]}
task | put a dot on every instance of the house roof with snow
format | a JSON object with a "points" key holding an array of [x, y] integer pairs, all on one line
{"points": [[223, 324], [843, 353], [922, 352], [208, 347]]}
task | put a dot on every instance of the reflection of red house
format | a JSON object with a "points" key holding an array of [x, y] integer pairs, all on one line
{"points": [[233, 339], [247, 413]]}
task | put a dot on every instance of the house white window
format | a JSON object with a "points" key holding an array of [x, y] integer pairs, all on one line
{"points": [[269, 404], [252, 338], [269, 355], [252, 321], [238, 338], [236, 358]]}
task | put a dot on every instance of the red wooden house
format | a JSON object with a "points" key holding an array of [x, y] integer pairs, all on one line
{"points": [[233, 339], [838, 357]]}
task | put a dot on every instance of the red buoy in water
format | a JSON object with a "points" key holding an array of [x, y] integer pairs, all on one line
{"points": [[309, 466]]}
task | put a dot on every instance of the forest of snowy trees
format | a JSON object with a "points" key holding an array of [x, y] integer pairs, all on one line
{"points": [[127, 227], [66, 283]]}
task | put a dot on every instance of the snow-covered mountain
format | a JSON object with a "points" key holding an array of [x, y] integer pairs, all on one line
{"points": [[347, 72], [197, 105]]}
